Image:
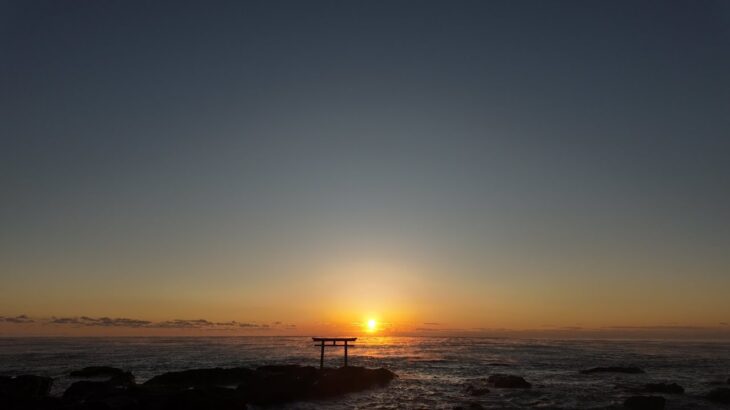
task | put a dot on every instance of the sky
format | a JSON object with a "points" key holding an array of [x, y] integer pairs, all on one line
{"points": [[302, 167]]}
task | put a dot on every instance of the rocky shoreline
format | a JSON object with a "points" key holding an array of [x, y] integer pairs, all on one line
{"points": [[108, 388]]}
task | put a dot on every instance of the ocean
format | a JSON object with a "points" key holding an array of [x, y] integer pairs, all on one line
{"points": [[433, 371]]}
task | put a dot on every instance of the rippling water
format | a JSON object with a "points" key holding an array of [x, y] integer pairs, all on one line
{"points": [[432, 371]]}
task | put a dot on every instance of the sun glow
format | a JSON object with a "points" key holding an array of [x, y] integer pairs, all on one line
{"points": [[372, 325]]}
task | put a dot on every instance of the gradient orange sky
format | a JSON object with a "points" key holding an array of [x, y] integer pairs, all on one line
{"points": [[302, 167]]}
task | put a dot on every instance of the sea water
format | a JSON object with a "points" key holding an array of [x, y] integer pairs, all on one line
{"points": [[433, 371]]}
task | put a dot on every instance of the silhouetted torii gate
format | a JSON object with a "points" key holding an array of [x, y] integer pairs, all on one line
{"points": [[322, 343]]}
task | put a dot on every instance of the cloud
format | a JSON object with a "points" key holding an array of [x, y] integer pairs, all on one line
{"points": [[655, 327], [65, 321], [20, 319], [122, 322], [101, 321], [432, 324], [183, 324]]}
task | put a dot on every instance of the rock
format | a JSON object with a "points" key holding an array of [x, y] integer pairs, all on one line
{"points": [[669, 388], [113, 375], [96, 371], [613, 369], [85, 389], [276, 384], [204, 398], [720, 395], [476, 390], [508, 381], [26, 392], [470, 406], [206, 388], [25, 386], [201, 377], [645, 403], [333, 382]]}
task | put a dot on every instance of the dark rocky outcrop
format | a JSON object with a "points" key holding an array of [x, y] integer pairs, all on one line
{"points": [[201, 377], [25, 392], [333, 382], [720, 395], [200, 389], [645, 403], [508, 381], [25, 386], [273, 384], [613, 369], [669, 388], [198, 398], [86, 390]]}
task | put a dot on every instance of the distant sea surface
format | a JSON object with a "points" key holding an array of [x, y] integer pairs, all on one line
{"points": [[432, 371]]}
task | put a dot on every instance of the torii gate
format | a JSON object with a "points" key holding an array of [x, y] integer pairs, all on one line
{"points": [[322, 343]]}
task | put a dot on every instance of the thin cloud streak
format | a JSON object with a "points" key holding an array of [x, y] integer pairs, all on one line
{"points": [[20, 319], [122, 322]]}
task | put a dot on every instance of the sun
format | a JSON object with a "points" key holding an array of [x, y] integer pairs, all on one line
{"points": [[372, 325]]}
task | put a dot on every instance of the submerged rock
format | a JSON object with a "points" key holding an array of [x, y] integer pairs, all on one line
{"points": [[476, 390], [469, 406], [508, 381], [613, 369], [720, 395], [645, 403], [670, 388]]}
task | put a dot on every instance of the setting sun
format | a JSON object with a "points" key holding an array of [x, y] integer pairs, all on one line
{"points": [[372, 325]]}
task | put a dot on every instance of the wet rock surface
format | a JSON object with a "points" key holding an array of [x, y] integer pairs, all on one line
{"points": [[645, 403], [719, 395], [192, 389], [668, 388], [469, 406], [508, 381]]}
